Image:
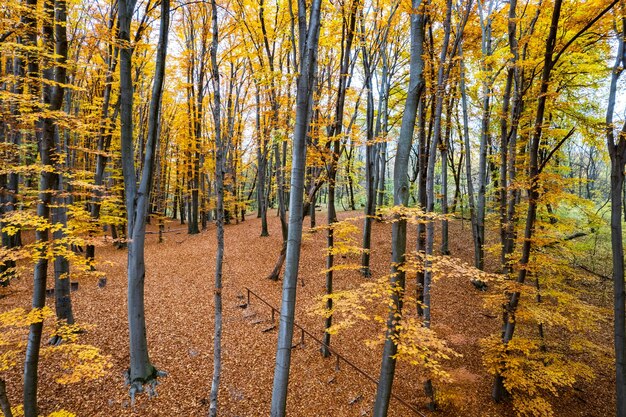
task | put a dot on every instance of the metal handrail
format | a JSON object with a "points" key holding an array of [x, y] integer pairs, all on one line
{"points": [[331, 350]]}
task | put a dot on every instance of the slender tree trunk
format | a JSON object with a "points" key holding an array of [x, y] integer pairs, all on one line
{"points": [[401, 198], [5, 406], [138, 196], [63, 301], [432, 156], [261, 168], [430, 178], [308, 46], [617, 152], [48, 180], [9, 200], [382, 126], [468, 166], [371, 160], [312, 208], [104, 138], [275, 274], [507, 150], [336, 132], [484, 130], [219, 191], [444, 145], [421, 197], [533, 191]]}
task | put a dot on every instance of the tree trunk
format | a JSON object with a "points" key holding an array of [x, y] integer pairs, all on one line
{"points": [[371, 159], [421, 197], [104, 138], [275, 274], [63, 301], [219, 192], [430, 175], [5, 406], [430, 178], [261, 168], [617, 184], [508, 143], [52, 97], [138, 196], [533, 192], [468, 166], [401, 198], [308, 46], [486, 40], [617, 152], [336, 132], [444, 145]]}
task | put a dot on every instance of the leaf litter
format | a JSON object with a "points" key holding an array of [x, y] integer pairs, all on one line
{"points": [[179, 312]]}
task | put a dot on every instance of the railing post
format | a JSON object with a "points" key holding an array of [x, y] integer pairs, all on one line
{"points": [[338, 358]]}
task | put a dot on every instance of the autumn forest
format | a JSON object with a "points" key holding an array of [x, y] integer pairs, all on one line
{"points": [[312, 207]]}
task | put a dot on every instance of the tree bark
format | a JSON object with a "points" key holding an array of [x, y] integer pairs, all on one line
{"points": [[508, 142], [104, 136], [63, 300], [401, 198], [309, 37], [138, 196], [219, 192], [533, 191], [617, 153], [336, 132], [47, 181], [5, 406], [468, 165], [486, 40]]}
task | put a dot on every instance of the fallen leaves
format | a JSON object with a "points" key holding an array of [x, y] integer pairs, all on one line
{"points": [[179, 312]]}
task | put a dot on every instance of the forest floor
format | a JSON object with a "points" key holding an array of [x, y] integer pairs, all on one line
{"points": [[179, 311]]}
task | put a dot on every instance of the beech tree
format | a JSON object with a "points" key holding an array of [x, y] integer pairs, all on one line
{"points": [[334, 132], [141, 370], [537, 162], [102, 146], [309, 37], [401, 198], [49, 179], [219, 183], [616, 144]]}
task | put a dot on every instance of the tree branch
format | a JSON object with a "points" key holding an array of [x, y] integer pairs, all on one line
{"points": [[556, 148], [583, 30]]}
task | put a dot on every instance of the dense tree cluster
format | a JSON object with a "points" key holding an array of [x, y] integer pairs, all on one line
{"points": [[116, 114]]}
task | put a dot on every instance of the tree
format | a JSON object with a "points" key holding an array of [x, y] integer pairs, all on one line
{"points": [[487, 85], [401, 198], [370, 57], [49, 178], [62, 296], [219, 191], [334, 134], [309, 37], [537, 162], [617, 152], [141, 370]]}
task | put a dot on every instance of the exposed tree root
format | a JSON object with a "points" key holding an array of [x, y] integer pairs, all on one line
{"points": [[140, 385]]}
